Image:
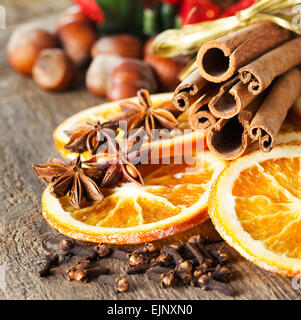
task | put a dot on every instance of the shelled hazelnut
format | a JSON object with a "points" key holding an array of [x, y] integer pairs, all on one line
{"points": [[128, 77], [25, 44], [77, 35], [99, 73], [54, 70], [124, 45], [166, 70]]}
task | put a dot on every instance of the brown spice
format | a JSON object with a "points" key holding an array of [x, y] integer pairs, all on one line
{"points": [[207, 283], [136, 259], [70, 247], [163, 259], [71, 178], [171, 251], [119, 255], [102, 250], [90, 137], [144, 113], [119, 163], [218, 60], [52, 259], [221, 273], [121, 284]]}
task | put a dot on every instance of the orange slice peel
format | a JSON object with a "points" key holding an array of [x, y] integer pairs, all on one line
{"points": [[255, 207]]}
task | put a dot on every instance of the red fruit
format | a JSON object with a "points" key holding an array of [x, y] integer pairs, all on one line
{"points": [[174, 2], [195, 11], [243, 4], [91, 9]]}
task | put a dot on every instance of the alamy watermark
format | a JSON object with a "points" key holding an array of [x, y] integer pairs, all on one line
{"points": [[173, 147], [2, 17]]}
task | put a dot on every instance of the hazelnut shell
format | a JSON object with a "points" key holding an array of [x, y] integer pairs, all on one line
{"points": [[24, 46]]}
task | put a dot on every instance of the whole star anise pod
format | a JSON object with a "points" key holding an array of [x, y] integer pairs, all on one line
{"points": [[89, 136], [119, 161], [144, 113], [71, 178]]}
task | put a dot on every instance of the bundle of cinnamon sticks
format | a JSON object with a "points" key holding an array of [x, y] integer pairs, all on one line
{"points": [[243, 87]]}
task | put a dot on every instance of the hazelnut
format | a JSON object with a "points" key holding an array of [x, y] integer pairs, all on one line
{"points": [[54, 70], [99, 73], [124, 45], [128, 77], [72, 14], [25, 45], [166, 70], [77, 38]]}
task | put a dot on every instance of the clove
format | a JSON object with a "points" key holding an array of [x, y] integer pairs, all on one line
{"points": [[185, 266], [166, 279], [121, 284], [86, 275], [58, 271], [171, 251], [205, 282], [198, 240], [194, 249], [135, 259], [221, 255], [69, 247], [184, 277], [119, 255], [52, 260], [151, 248], [102, 250], [160, 269], [84, 264], [139, 269], [221, 273], [163, 259]]}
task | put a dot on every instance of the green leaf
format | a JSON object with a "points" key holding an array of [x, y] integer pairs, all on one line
{"points": [[122, 16]]}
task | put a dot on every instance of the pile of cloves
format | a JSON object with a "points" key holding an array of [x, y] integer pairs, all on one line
{"points": [[192, 263], [85, 270]]}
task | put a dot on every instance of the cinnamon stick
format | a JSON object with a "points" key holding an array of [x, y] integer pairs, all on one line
{"points": [[189, 91], [232, 97], [218, 60], [266, 124], [229, 138], [260, 73], [199, 115]]}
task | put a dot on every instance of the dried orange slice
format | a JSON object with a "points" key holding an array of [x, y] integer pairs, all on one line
{"points": [[173, 199], [256, 208], [174, 146]]}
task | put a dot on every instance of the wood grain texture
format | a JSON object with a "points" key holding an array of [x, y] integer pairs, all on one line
{"points": [[28, 117]]}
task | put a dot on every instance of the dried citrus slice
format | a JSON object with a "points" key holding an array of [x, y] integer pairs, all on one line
{"points": [[174, 146], [173, 199], [256, 208]]}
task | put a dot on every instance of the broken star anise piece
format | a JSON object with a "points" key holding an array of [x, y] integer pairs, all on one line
{"points": [[89, 136], [121, 160], [144, 113], [71, 178]]}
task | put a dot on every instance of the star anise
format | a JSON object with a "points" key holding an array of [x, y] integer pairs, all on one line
{"points": [[71, 178], [89, 136], [119, 161], [144, 113]]}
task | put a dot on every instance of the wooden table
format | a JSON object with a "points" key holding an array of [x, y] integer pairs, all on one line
{"points": [[28, 117]]}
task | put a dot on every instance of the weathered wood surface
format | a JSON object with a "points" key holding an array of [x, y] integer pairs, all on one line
{"points": [[28, 117]]}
